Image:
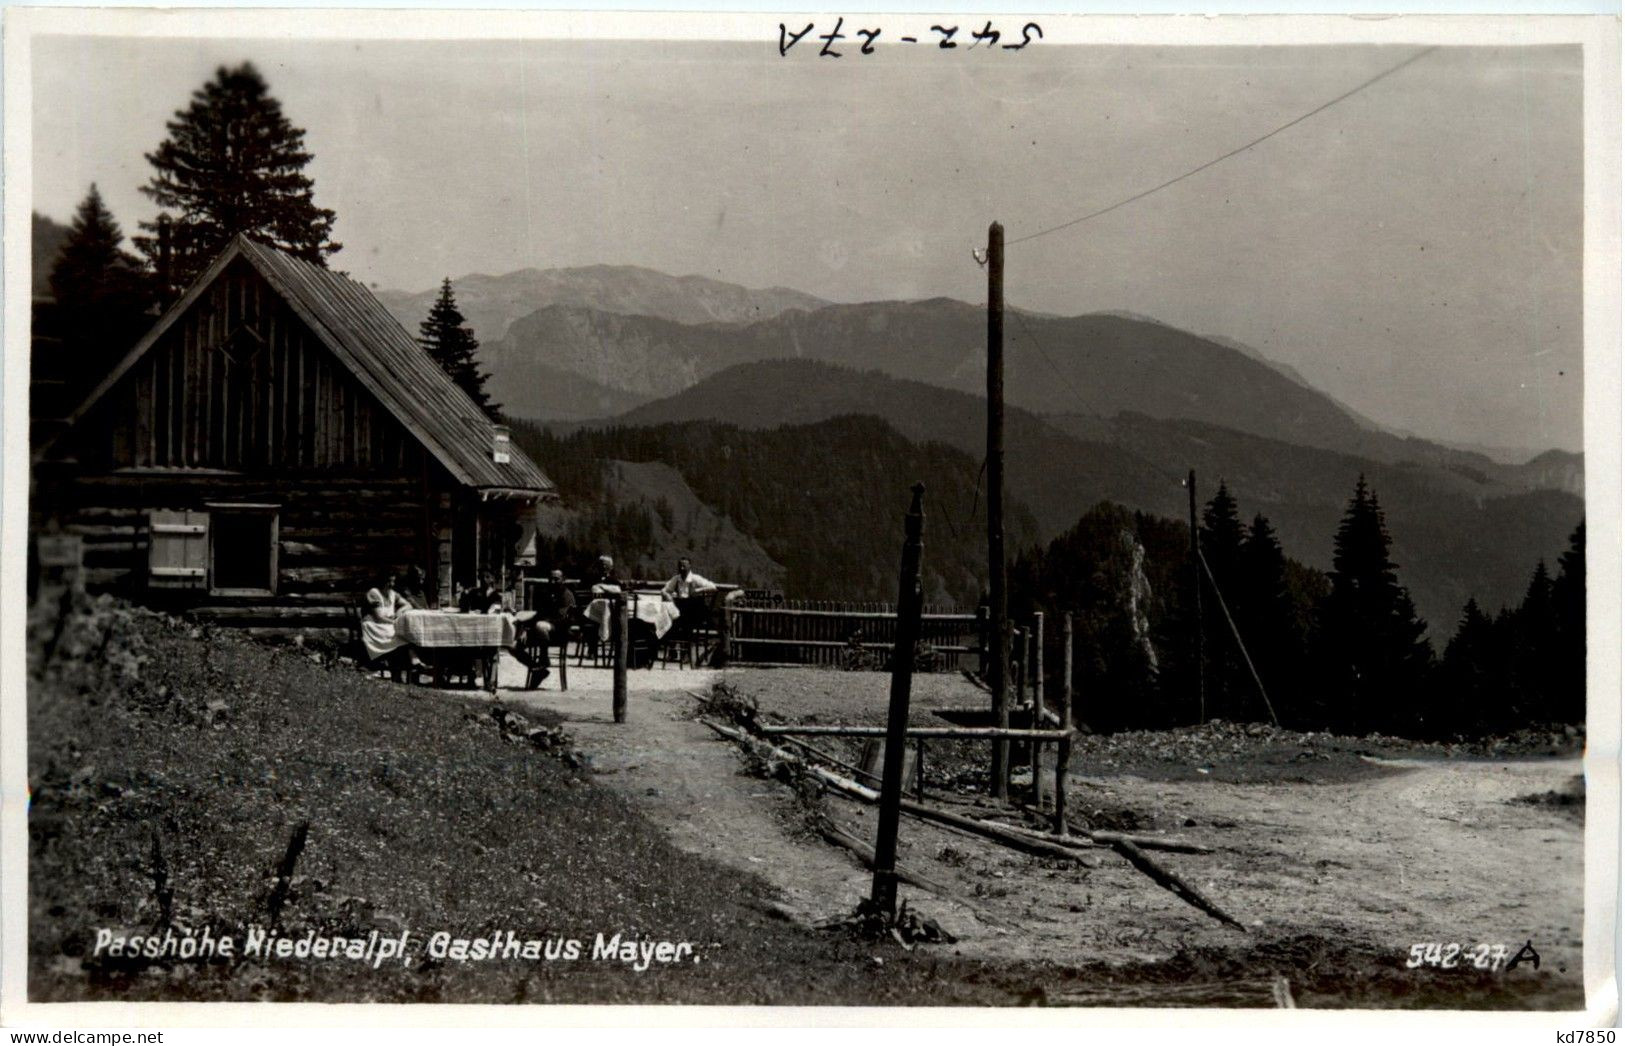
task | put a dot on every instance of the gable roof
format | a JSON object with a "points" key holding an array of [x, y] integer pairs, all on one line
{"points": [[379, 353]]}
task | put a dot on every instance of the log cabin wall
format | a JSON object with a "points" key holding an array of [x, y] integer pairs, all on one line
{"points": [[238, 404]]}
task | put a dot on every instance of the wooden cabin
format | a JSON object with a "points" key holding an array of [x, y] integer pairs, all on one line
{"points": [[272, 445]]}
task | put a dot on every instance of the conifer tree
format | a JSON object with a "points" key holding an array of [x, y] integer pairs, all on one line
{"points": [[1371, 647], [1569, 606], [1534, 643], [1267, 618], [1221, 533], [449, 341], [233, 164], [1472, 692], [93, 271]]}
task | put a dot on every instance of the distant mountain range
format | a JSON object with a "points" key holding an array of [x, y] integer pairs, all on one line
{"points": [[493, 303], [1457, 532], [1107, 406], [1094, 365]]}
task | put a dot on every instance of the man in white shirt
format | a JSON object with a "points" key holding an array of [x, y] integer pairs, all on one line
{"points": [[686, 584], [688, 591]]}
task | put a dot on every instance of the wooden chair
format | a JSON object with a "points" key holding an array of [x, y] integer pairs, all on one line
{"points": [[534, 650], [396, 664], [696, 636], [356, 648]]}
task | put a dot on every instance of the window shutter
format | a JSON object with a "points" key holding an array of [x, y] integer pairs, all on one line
{"points": [[178, 549]]}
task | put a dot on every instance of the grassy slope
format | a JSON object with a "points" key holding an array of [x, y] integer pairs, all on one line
{"points": [[422, 817]]}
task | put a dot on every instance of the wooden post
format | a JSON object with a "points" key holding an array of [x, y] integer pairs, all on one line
{"points": [[1063, 750], [909, 598], [919, 769], [998, 601], [1035, 749], [984, 639], [719, 656], [620, 631], [1018, 688], [1196, 600]]}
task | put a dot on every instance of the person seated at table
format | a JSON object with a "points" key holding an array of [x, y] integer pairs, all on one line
{"points": [[547, 624], [604, 581], [384, 603], [484, 598], [690, 592], [685, 584], [413, 585]]}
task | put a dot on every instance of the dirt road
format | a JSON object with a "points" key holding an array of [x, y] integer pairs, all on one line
{"points": [[1419, 851]]}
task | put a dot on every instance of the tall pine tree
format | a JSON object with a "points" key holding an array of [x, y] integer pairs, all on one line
{"points": [[1371, 648], [447, 338], [1473, 695], [1231, 691], [94, 272], [1534, 643], [233, 164], [1569, 605], [100, 308], [1268, 620]]}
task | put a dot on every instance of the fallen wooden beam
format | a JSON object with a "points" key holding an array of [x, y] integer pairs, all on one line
{"points": [[964, 733], [1150, 842], [1144, 842], [866, 854], [1174, 884], [1250, 993]]}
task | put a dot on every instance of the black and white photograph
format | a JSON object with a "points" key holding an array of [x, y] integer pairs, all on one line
{"points": [[834, 510]]}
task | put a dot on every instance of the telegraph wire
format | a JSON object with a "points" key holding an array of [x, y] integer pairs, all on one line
{"points": [[1059, 373], [1233, 152]]}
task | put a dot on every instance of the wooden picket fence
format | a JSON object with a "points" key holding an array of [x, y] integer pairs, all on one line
{"points": [[834, 633]]}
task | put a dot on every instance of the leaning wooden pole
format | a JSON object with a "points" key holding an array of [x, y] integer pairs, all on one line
{"points": [[1196, 599], [998, 598], [909, 599], [1063, 750]]}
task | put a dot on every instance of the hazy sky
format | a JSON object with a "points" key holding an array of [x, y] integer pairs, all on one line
{"points": [[1415, 250]]}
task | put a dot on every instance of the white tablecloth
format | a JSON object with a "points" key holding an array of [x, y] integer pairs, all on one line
{"points": [[652, 609], [437, 628]]}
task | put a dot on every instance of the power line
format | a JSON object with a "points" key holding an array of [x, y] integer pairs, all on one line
{"points": [[1065, 380], [1234, 152]]}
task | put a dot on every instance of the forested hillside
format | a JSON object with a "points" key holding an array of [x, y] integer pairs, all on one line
{"points": [[825, 500]]}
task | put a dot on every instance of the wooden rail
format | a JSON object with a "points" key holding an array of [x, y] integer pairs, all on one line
{"points": [[829, 633], [972, 733]]}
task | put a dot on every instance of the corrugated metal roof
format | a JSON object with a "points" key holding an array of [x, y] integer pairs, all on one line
{"points": [[390, 362]]}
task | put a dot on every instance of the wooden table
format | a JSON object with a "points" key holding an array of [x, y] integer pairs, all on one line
{"points": [[445, 637]]}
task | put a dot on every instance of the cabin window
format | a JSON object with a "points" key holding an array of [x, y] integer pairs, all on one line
{"points": [[242, 549]]}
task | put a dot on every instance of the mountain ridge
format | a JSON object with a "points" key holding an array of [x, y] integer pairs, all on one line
{"points": [[491, 303], [1439, 516]]}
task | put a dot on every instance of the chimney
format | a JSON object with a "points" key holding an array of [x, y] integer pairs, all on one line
{"points": [[499, 444]]}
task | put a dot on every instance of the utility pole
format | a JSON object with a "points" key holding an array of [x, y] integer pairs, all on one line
{"points": [[1196, 596], [998, 598]]}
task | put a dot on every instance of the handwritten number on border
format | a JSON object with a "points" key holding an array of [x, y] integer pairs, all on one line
{"points": [[987, 35]]}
